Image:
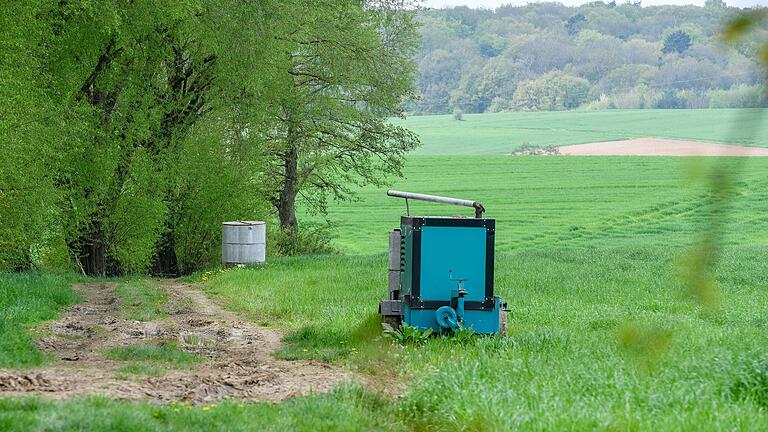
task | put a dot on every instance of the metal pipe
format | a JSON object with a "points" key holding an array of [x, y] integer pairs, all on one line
{"points": [[479, 209]]}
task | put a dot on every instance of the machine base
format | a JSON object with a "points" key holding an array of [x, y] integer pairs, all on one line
{"points": [[491, 321]]}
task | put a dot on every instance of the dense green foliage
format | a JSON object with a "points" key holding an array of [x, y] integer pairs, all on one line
{"points": [[25, 299], [482, 60], [130, 130], [349, 72], [503, 133], [678, 41]]}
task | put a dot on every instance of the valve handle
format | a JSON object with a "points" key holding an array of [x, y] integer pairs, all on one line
{"points": [[450, 277]]}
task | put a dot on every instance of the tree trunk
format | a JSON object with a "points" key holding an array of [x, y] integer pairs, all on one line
{"points": [[91, 252], [286, 207], [166, 263]]}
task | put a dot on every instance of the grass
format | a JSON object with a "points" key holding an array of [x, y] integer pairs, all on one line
{"points": [[604, 334], [600, 338], [25, 299], [167, 352], [346, 409], [540, 202], [141, 300], [144, 368], [583, 323], [502, 133], [152, 360]]}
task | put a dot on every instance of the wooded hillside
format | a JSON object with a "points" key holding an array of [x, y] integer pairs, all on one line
{"points": [[546, 56]]}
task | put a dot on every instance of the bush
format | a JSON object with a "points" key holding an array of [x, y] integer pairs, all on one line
{"points": [[498, 104], [670, 100], [313, 239], [694, 99], [741, 96], [553, 91], [137, 223], [211, 188], [638, 98]]}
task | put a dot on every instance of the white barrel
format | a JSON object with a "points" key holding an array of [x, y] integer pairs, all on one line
{"points": [[243, 242]]}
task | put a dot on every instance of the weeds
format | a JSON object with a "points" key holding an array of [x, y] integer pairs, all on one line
{"points": [[406, 335], [751, 382], [141, 300], [167, 353]]}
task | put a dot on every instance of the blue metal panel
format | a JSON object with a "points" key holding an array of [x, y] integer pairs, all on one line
{"points": [[460, 250]]}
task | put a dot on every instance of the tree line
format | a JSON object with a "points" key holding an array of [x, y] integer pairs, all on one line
{"points": [[131, 129], [546, 56]]}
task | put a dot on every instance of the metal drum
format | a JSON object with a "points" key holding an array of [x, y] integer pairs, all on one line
{"points": [[243, 242]]}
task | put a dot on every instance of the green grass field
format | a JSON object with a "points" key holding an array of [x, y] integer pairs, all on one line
{"points": [[554, 201], [605, 332], [502, 133]]}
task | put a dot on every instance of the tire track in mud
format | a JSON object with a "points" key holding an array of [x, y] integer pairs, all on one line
{"points": [[238, 364]]}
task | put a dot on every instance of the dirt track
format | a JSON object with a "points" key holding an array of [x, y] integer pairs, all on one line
{"points": [[660, 147], [238, 355]]}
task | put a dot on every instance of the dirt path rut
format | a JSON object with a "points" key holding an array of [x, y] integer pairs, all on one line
{"points": [[238, 355]]}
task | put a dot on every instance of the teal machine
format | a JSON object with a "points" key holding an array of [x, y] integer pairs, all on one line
{"points": [[441, 271]]}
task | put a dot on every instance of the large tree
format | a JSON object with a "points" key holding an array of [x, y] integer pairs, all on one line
{"points": [[126, 91], [148, 76], [139, 126], [349, 69], [676, 42]]}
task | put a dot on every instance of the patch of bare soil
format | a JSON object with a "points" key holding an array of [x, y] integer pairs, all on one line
{"points": [[660, 147], [238, 355]]}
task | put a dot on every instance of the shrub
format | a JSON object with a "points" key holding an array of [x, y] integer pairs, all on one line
{"points": [[741, 96], [553, 91], [670, 100], [313, 239], [677, 41]]}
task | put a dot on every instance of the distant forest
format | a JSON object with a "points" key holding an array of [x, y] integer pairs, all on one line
{"points": [[546, 56]]}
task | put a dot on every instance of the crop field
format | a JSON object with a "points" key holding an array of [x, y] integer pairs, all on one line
{"points": [[560, 201], [503, 133], [607, 329]]}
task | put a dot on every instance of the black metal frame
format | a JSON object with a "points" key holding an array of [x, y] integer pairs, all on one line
{"points": [[417, 222]]}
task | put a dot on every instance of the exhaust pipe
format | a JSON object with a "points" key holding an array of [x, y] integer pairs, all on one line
{"points": [[479, 209]]}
